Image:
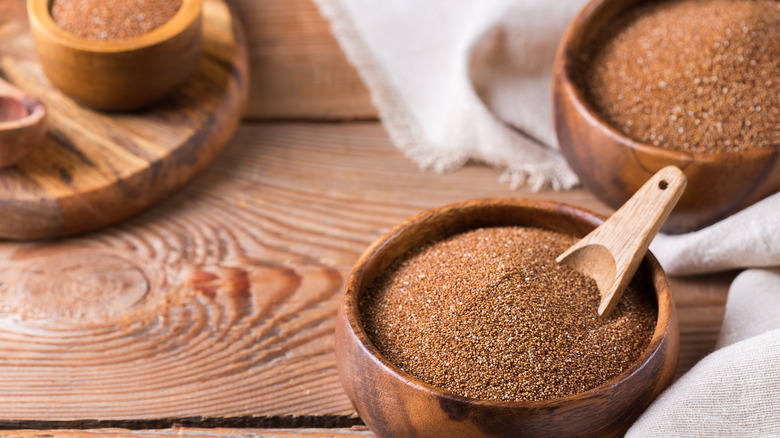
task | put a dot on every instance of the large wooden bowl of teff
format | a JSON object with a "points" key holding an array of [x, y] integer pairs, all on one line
{"points": [[614, 164], [395, 404]]}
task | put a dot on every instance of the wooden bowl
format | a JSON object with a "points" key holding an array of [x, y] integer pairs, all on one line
{"points": [[613, 166], [395, 404], [124, 74], [22, 127]]}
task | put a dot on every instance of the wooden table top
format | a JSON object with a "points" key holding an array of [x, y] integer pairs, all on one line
{"points": [[216, 307], [212, 313]]}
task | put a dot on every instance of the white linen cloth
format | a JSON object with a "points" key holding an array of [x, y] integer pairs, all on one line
{"points": [[734, 391], [460, 80]]}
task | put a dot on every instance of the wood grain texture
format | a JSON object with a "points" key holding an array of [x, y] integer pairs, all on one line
{"points": [[192, 433], [614, 166], [93, 168], [221, 300], [701, 301], [297, 69]]}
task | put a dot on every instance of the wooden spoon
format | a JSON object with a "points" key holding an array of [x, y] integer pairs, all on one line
{"points": [[611, 253], [22, 124]]}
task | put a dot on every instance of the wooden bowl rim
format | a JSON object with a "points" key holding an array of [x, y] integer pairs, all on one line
{"points": [[582, 22], [38, 11], [350, 306], [35, 111]]}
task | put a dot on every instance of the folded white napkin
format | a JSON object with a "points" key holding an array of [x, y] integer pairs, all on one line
{"points": [[460, 80]]}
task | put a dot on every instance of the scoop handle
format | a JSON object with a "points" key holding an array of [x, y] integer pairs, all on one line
{"points": [[626, 236]]}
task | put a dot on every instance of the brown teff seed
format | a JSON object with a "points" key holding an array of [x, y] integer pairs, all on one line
{"points": [[697, 76], [112, 19], [489, 314]]}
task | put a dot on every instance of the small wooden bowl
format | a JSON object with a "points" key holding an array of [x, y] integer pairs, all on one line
{"points": [[613, 166], [124, 74], [22, 127], [394, 404]]}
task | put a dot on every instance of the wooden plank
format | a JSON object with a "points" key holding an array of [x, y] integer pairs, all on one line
{"points": [[359, 431], [700, 301], [220, 301], [297, 69]]}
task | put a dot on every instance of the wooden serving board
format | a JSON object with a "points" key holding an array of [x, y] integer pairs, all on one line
{"points": [[94, 169]]}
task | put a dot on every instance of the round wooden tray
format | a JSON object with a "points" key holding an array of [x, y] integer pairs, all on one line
{"points": [[94, 169]]}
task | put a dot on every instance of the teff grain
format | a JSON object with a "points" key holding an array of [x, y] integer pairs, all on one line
{"points": [[112, 19], [690, 75], [489, 314]]}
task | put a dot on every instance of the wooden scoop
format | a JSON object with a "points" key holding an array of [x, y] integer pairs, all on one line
{"points": [[22, 124], [611, 253]]}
